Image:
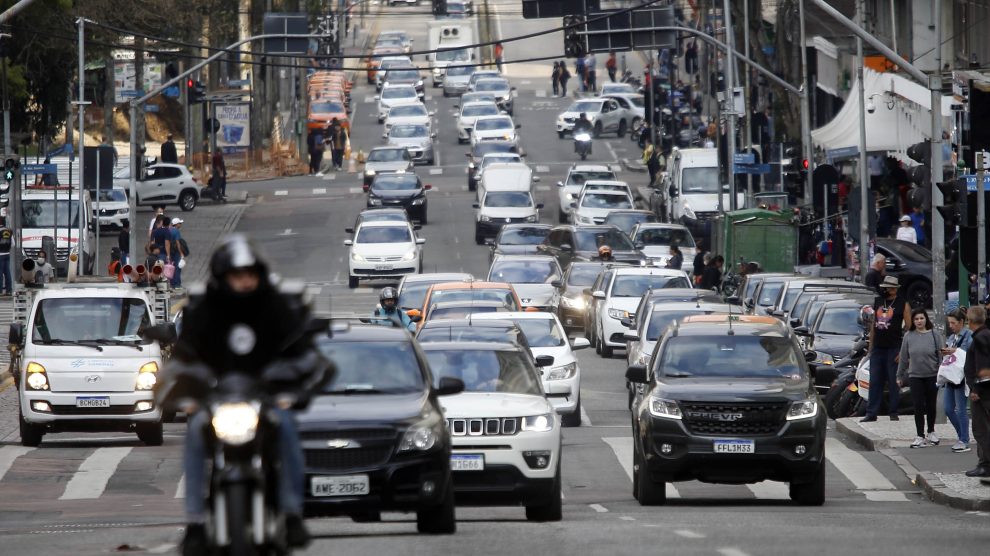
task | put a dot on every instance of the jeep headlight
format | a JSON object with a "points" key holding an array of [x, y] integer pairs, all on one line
{"points": [[668, 409], [236, 423], [147, 376], [618, 314], [564, 372], [804, 409], [409, 256], [538, 423]]}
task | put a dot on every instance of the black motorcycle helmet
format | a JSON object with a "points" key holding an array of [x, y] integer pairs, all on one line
{"points": [[389, 294], [234, 253]]}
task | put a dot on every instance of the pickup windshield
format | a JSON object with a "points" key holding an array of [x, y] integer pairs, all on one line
{"points": [[83, 319]]}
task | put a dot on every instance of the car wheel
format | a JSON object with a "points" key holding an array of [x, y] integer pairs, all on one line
{"points": [[30, 434], [553, 510], [622, 129], [811, 493], [635, 128], [607, 350], [352, 282], [560, 134], [598, 346], [151, 433], [648, 492], [919, 294], [573, 419], [561, 216], [187, 201], [441, 519], [597, 131]]}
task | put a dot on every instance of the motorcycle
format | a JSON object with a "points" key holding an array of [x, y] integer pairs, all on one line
{"points": [[841, 401], [582, 144], [631, 79]]}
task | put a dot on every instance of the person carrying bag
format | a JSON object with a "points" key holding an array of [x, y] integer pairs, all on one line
{"points": [[952, 377]]}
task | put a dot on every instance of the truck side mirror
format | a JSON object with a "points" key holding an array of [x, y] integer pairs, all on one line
{"points": [[16, 334]]}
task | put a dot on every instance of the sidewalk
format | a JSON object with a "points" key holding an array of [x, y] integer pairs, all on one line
{"points": [[938, 471]]}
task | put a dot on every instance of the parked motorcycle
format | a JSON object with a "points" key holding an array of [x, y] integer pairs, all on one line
{"points": [[840, 375], [582, 144]]}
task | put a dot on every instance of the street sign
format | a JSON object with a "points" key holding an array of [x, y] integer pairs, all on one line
{"points": [[744, 158], [151, 108], [171, 92], [35, 169], [752, 168], [535, 9], [630, 30], [971, 182], [128, 93], [66, 148], [844, 152], [286, 23]]}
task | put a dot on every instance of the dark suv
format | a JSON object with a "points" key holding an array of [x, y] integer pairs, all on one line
{"points": [[570, 243], [375, 438], [729, 399]]}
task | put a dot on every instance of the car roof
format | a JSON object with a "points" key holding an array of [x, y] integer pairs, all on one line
{"points": [[658, 225], [605, 192], [490, 79], [648, 271], [364, 333], [631, 211], [606, 182], [494, 117], [661, 305], [527, 225], [498, 321], [521, 257], [701, 324], [435, 276], [385, 224]]}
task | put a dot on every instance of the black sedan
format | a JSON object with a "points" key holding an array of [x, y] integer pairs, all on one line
{"points": [[518, 239], [375, 440], [400, 190]]}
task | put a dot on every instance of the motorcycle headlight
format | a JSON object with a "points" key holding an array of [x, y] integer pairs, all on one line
{"points": [[668, 409], [409, 256], [485, 218], [564, 372], [618, 314], [538, 423], [582, 137], [357, 258], [419, 83], [804, 409], [369, 172], [147, 376], [236, 423]]}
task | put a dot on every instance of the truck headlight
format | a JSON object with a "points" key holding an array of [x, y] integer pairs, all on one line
{"points": [[618, 314], [236, 423], [804, 409], [37, 378], [564, 372], [667, 409], [538, 423], [147, 376]]}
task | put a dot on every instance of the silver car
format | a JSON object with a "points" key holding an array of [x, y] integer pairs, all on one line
{"points": [[416, 138], [455, 82], [386, 159]]}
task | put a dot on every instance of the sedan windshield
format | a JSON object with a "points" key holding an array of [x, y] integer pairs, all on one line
{"points": [[396, 369], [407, 110], [726, 356], [524, 272], [493, 124], [408, 131], [522, 236], [388, 155], [602, 201], [90, 319], [396, 182], [769, 293], [591, 240], [665, 236], [384, 234], [507, 199], [402, 75], [487, 370], [635, 285], [398, 92], [542, 333], [840, 320], [382, 216], [480, 110]]}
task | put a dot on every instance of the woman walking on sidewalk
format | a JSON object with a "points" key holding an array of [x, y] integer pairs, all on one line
{"points": [[919, 360], [555, 78], [955, 396]]}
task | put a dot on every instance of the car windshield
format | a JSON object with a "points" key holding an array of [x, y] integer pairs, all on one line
{"points": [[840, 320], [458, 71], [483, 74], [486, 85], [522, 236], [408, 131], [387, 42], [769, 293], [724, 356], [635, 285], [507, 199], [480, 110], [41, 213], [500, 334], [501, 159], [477, 294], [542, 333], [702, 179], [592, 106], [626, 221], [406, 110], [507, 371], [524, 272], [665, 236], [493, 124], [383, 234], [583, 275], [399, 92], [459, 311], [105, 320], [591, 240], [396, 369], [387, 155], [109, 195], [327, 108], [462, 55], [402, 75], [603, 201], [578, 178], [395, 182]]}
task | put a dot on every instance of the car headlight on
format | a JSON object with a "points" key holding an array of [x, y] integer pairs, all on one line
{"points": [[573, 303], [357, 258], [531, 218], [485, 218], [437, 72], [538, 423], [147, 376], [369, 172], [564, 372], [804, 409], [618, 314], [37, 378], [236, 423], [409, 256], [667, 409]]}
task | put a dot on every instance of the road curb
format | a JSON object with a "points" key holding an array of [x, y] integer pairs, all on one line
{"points": [[937, 492], [860, 436], [633, 167]]}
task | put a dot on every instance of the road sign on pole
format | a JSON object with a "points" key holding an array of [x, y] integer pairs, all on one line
{"points": [[630, 30], [536, 9], [289, 23]]}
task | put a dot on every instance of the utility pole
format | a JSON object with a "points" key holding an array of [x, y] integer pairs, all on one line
{"points": [[4, 37], [809, 152], [981, 222], [81, 101], [864, 174], [938, 223], [730, 101], [747, 95]]}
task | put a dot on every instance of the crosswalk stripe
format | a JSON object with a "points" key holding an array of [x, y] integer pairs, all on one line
{"points": [[180, 490], [93, 475], [540, 93], [281, 193], [319, 190], [329, 176], [855, 467], [355, 190], [7, 456], [622, 447], [436, 171]]}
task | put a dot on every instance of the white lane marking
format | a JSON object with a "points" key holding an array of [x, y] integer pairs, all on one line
{"points": [[281, 193], [355, 190], [436, 171], [598, 508], [7, 456], [730, 551], [542, 188], [91, 479], [542, 169], [525, 82], [688, 534], [770, 490], [623, 449], [329, 176], [855, 467], [319, 191], [457, 239], [465, 188], [627, 518], [540, 93], [885, 496], [369, 99], [163, 548], [180, 489], [288, 232], [612, 151], [585, 420]]}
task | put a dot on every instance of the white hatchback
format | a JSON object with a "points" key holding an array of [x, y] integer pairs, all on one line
{"points": [[494, 128], [394, 95], [383, 249]]}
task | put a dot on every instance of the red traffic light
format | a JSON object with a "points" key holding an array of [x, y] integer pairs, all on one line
{"points": [[804, 163], [190, 83]]}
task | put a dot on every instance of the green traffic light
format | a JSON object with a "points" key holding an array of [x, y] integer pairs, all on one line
{"points": [[8, 175]]}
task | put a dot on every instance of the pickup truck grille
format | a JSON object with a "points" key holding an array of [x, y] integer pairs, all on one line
{"points": [[731, 419]]}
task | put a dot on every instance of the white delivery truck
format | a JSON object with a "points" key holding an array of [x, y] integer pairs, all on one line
{"points": [[54, 212], [450, 34], [693, 185], [505, 196], [80, 361]]}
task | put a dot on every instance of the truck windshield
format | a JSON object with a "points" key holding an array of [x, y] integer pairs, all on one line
{"points": [[454, 55], [700, 180], [40, 213], [90, 319]]}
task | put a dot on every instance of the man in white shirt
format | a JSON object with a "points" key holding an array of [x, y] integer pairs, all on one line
{"points": [[906, 231]]}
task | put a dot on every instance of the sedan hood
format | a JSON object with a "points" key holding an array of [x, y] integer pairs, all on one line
{"points": [[382, 249], [537, 295], [495, 134], [386, 166], [414, 142], [496, 404], [722, 389], [330, 411]]}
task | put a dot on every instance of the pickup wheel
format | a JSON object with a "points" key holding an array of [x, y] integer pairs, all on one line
{"points": [[811, 493], [648, 492], [551, 511], [30, 434], [152, 434], [187, 201], [441, 519]]}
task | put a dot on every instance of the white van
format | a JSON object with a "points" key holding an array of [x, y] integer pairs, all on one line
{"points": [[510, 176], [504, 201], [694, 183]]}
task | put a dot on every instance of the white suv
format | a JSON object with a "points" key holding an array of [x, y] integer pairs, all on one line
{"points": [[505, 434], [605, 114], [162, 184], [383, 249]]}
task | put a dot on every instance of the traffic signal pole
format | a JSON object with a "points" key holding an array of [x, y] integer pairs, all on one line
{"points": [[981, 226]]}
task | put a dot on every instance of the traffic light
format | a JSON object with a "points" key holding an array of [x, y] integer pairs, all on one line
{"points": [[196, 91], [10, 166], [955, 207], [574, 44], [922, 154], [439, 7]]}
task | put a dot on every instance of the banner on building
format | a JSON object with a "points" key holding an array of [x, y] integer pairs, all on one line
{"points": [[124, 84]]}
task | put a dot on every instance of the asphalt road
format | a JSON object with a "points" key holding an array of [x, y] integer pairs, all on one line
{"points": [[101, 493]]}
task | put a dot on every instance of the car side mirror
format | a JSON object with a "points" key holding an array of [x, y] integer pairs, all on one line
{"points": [[417, 227], [16, 333], [733, 300], [802, 331], [580, 342], [377, 98], [518, 126], [749, 302], [560, 184], [475, 205], [349, 230], [433, 112], [384, 135], [539, 206], [598, 294], [348, 242], [163, 333], [449, 386], [559, 284], [544, 360], [573, 204], [536, 179], [420, 240], [636, 374], [795, 323], [490, 241], [630, 336], [467, 155]]}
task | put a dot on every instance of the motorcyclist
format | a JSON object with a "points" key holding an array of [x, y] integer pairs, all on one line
{"points": [[243, 322], [582, 124], [387, 312], [605, 254]]}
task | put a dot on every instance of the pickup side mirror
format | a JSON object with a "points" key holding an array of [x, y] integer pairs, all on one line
{"points": [[544, 360], [636, 374], [449, 385], [16, 334], [580, 342]]}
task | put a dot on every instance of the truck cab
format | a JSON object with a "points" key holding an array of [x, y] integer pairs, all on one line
{"points": [[449, 35], [54, 212], [692, 187], [80, 361]]}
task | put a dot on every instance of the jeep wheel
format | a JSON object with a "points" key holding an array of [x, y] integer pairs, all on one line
{"points": [[151, 433], [439, 520], [811, 493], [648, 492], [551, 511], [30, 434], [187, 201]]}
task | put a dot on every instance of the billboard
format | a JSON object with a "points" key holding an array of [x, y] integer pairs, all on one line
{"points": [[234, 131]]}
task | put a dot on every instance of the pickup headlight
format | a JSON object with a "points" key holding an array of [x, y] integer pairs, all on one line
{"points": [[538, 423], [147, 376], [667, 409], [618, 314], [236, 423], [409, 256], [37, 378], [422, 436], [564, 372], [357, 258], [804, 409]]}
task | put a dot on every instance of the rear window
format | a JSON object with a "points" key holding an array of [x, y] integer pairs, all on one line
{"points": [[542, 332], [840, 320], [665, 236], [468, 334], [635, 285], [523, 236], [476, 294], [591, 240], [602, 201], [769, 293], [524, 272]]}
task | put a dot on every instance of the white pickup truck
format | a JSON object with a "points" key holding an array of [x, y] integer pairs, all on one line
{"points": [[80, 361]]}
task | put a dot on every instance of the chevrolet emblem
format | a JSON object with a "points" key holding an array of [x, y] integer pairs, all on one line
{"points": [[338, 443]]}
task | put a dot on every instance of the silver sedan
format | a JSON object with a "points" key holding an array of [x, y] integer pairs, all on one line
{"points": [[416, 138]]}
